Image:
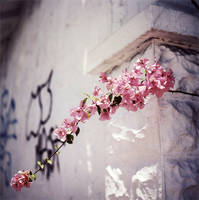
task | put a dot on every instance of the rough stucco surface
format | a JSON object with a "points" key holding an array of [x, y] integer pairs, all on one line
{"points": [[162, 138], [179, 126], [150, 154]]}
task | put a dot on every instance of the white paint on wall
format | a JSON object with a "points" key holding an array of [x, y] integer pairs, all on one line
{"points": [[110, 149], [89, 190], [88, 153], [125, 133], [113, 183], [83, 2], [145, 184], [89, 166], [85, 61], [88, 150]]}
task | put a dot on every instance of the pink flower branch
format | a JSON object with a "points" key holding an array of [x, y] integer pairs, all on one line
{"points": [[131, 90]]}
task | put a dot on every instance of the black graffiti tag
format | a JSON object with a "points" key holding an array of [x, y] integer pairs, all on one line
{"points": [[45, 141]]}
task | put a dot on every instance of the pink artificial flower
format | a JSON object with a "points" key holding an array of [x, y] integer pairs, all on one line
{"points": [[96, 91], [20, 180]]}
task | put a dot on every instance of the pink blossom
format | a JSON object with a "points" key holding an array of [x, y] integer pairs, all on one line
{"points": [[103, 102], [114, 109], [133, 88], [70, 124], [60, 133], [133, 80], [91, 109], [96, 91], [110, 83], [103, 77], [20, 180], [142, 62], [105, 115], [79, 113]]}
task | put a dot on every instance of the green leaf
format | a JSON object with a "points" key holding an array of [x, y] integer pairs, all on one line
{"points": [[117, 100], [84, 101], [98, 109], [33, 177], [58, 152], [56, 146], [110, 97], [69, 138], [40, 164], [77, 131], [47, 160], [50, 162]]}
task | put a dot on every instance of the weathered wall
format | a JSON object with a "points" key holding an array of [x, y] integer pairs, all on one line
{"points": [[135, 155], [162, 138]]}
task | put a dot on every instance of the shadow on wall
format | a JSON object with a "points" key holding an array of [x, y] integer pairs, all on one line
{"points": [[13, 14], [41, 102], [8, 123]]}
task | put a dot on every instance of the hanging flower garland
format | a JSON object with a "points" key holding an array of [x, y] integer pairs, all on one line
{"points": [[131, 90]]}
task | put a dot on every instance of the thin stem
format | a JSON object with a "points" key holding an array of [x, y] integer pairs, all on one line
{"points": [[182, 92], [45, 162]]}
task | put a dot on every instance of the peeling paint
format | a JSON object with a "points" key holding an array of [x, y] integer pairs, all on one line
{"points": [[146, 184], [113, 184], [127, 134]]}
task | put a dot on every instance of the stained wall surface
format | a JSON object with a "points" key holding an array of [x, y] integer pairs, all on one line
{"points": [[162, 138], [150, 154]]}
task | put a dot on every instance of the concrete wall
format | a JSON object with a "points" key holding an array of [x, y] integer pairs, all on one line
{"points": [[48, 60]]}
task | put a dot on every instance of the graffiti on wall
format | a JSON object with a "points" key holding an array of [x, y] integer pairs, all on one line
{"points": [[8, 123], [37, 127]]}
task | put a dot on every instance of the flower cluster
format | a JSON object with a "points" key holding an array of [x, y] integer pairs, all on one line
{"points": [[20, 180], [130, 90]]}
